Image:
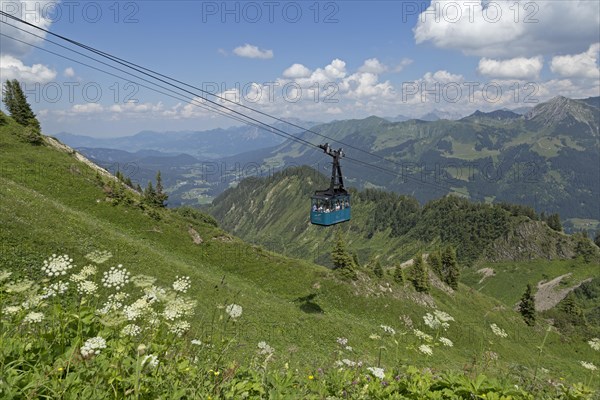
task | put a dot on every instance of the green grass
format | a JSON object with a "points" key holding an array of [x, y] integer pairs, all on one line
{"points": [[51, 203]]}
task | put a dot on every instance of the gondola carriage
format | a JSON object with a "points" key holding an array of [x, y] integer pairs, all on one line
{"points": [[331, 206]]}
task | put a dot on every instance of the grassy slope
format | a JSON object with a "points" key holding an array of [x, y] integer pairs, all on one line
{"points": [[50, 203]]}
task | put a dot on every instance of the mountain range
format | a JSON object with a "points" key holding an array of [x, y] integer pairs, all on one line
{"points": [[547, 158]]}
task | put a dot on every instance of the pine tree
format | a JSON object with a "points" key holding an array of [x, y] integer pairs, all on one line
{"points": [[527, 306], [377, 270], [17, 105], [160, 197], [419, 275], [398, 275], [573, 310], [435, 262], [149, 195], [450, 270], [553, 222], [342, 261], [597, 238]]}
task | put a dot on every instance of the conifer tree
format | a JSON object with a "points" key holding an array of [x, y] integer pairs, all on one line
{"points": [[435, 262], [597, 238], [342, 261], [527, 306], [398, 275], [450, 270], [16, 103], [378, 270], [419, 275], [553, 222], [160, 196]]}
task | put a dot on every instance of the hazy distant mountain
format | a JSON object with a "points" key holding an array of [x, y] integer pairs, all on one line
{"points": [[436, 115], [211, 144]]}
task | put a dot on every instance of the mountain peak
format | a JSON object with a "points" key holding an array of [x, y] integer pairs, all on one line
{"points": [[563, 113]]}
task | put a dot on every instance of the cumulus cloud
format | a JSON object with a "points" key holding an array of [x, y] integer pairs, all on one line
{"points": [[31, 11], [508, 28], [69, 72], [297, 71], [517, 68], [373, 65], [583, 65], [250, 51], [403, 64], [87, 108], [13, 68]]}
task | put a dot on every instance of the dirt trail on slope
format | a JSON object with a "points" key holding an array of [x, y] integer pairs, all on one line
{"points": [[547, 297]]}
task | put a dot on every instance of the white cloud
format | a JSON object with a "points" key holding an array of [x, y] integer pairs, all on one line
{"points": [[517, 68], [31, 11], [13, 68], [583, 65], [509, 28], [297, 71], [373, 65], [403, 64], [250, 51], [69, 72], [87, 108], [442, 76]]}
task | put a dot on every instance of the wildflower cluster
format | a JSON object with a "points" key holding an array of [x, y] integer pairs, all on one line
{"points": [[264, 348], [92, 347], [588, 365], [117, 277], [55, 289], [57, 265], [498, 331], [377, 372], [234, 310], [181, 284], [439, 319], [594, 343]]}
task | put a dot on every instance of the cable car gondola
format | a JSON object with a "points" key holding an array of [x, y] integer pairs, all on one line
{"points": [[331, 206]]}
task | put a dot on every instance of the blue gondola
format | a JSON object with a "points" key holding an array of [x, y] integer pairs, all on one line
{"points": [[331, 206]]}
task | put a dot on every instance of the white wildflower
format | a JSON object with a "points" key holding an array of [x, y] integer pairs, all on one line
{"points": [[349, 348], [422, 335], [588, 365], [33, 317], [32, 301], [177, 308], [12, 309], [113, 303], [87, 287], [151, 360], [4, 275], [135, 310], [374, 336], [154, 294], [388, 329], [196, 342], [181, 284], [594, 343], [19, 286], [57, 265], [425, 349], [92, 346], [446, 342], [377, 372], [116, 277], [342, 341], [85, 272], [98, 256], [131, 330], [234, 310], [179, 327], [431, 321], [55, 289], [498, 331], [443, 316], [265, 348], [349, 363]]}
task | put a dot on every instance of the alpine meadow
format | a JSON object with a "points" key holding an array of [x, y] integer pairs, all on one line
{"points": [[300, 200]]}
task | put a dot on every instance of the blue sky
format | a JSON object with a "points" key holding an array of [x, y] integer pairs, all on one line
{"points": [[337, 60]]}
